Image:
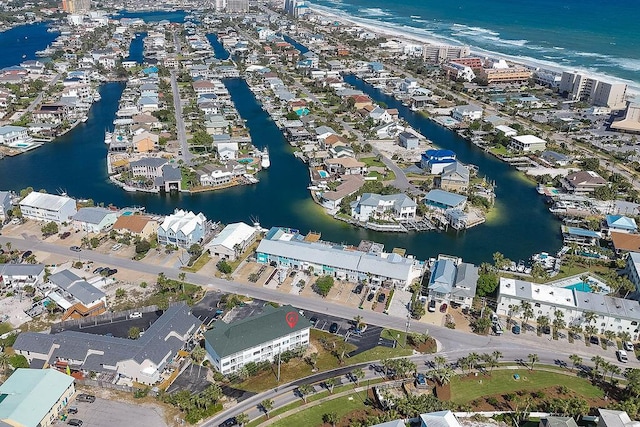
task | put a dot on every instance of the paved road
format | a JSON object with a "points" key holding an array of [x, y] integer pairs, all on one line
{"points": [[181, 131]]}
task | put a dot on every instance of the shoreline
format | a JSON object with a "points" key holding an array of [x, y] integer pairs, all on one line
{"points": [[382, 28]]}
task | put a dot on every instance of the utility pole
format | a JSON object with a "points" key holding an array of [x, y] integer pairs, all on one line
{"points": [[406, 332], [279, 359]]}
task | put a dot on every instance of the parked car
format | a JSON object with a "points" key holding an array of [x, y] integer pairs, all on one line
{"points": [[546, 330], [432, 306], [229, 422], [65, 235], [75, 248], [628, 345], [314, 320], [116, 247], [135, 315], [72, 410], [333, 328], [594, 340], [381, 297], [622, 356], [74, 422], [515, 329], [110, 271], [370, 296], [421, 380], [83, 397], [443, 308], [99, 270], [27, 254], [358, 289]]}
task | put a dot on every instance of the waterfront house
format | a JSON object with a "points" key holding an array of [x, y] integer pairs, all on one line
{"points": [[35, 397], [349, 184], [51, 113], [137, 225], [94, 219], [203, 87], [454, 177], [212, 176], [145, 142], [612, 313], [146, 119], [232, 241], [361, 101], [434, 161], [620, 224], [255, 339], [48, 207], [21, 275], [458, 72], [148, 167], [142, 360], [396, 207], [345, 166], [288, 249], [216, 124], [183, 229], [527, 143], [408, 140], [506, 130], [467, 113], [443, 200], [5, 204], [227, 150], [583, 182], [14, 136], [77, 297]]}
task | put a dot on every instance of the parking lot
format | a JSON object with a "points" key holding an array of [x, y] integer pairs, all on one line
{"points": [[118, 326], [109, 413], [364, 341]]}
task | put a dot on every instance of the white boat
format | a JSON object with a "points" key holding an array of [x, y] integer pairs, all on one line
{"points": [[107, 137], [265, 163]]}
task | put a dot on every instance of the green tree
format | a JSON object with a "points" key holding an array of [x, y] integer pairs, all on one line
{"points": [[143, 246], [49, 229], [198, 354], [533, 358], [224, 267], [267, 406], [487, 284], [576, 360], [330, 384], [305, 390], [18, 361], [242, 419], [330, 418], [358, 374], [323, 285], [120, 293], [134, 333]]}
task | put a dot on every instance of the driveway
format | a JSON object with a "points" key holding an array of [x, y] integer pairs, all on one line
{"points": [[110, 413]]}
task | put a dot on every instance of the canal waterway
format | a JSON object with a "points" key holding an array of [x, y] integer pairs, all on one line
{"points": [[218, 50], [75, 163], [136, 48], [21, 43], [302, 48]]}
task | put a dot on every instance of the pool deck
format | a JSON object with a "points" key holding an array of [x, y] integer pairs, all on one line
{"points": [[574, 280]]}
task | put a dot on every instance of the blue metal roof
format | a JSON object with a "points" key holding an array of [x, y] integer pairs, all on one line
{"points": [[575, 231], [621, 222], [440, 154], [444, 198]]}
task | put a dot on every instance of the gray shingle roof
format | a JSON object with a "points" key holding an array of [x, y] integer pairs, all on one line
{"points": [[227, 339], [154, 162], [21, 269], [91, 215]]}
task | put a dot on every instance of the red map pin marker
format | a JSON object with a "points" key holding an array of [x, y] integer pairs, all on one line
{"points": [[292, 318]]}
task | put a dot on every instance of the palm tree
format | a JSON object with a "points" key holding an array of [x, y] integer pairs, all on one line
{"points": [[589, 317], [331, 418], [527, 313], [610, 336], [463, 362], [267, 405], [543, 322], [242, 419], [533, 358], [514, 310], [358, 321], [330, 384], [575, 330], [615, 370], [606, 367], [624, 336], [473, 360], [4, 361], [576, 360], [440, 361], [590, 330], [313, 360], [305, 390], [597, 360]]}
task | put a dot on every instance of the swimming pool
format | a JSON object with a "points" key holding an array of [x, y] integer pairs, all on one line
{"points": [[127, 213], [245, 161], [580, 286], [323, 174], [20, 145]]}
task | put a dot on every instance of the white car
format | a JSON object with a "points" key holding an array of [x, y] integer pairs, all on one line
{"points": [[135, 315], [116, 246], [628, 345]]}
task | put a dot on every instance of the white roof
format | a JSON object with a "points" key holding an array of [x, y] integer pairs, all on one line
{"points": [[233, 234], [183, 221], [507, 130], [529, 139], [45, 201], [439, 419]]}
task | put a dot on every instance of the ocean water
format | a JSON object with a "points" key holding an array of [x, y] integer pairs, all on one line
{"points": [[592, 35]]}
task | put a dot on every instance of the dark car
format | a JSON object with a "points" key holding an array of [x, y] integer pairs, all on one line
{"points": [[370, 296], [75, 248], [27, 254], [229, 422], [72, 410], [443, 308], [594, 340], [358, 289], [314, 320], [381, 297], [111, 271], [89, 398], [516, 329], [432, 306], [74, 422], [65, 235], [333, 328], [546, 330], [99, 270]]}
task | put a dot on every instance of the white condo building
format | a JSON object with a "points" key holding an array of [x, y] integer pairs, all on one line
{"points": [[48, 207]]}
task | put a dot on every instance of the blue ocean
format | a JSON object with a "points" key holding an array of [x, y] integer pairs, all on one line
{"points": [[597, 36]]}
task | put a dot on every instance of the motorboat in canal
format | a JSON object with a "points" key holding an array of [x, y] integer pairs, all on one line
{"points": [[265, 162]]}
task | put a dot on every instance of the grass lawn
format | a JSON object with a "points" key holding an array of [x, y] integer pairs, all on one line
{"points": [[5, 327], [381, 352], [500, 382], [313, 416], [372, 161], [200, 262]]}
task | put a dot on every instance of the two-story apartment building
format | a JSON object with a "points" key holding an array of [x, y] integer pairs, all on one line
{"points": [[48, 207], [397, 207]]}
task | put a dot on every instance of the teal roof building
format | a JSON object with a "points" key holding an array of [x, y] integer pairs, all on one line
{"points": [[34, 397]]}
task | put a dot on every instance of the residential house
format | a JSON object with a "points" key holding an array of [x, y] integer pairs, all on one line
{"points": [[232, 241], [434, 161], [408, 140], [467, 113], [454, 177], [345, 166], [554, 158], [94, 219], [613, 418], [14, 136], [137, 225], [145, 142], [183, 229], [557, 422], [21, 275], [620, 224], [583, 182], [148, 167], [257, 338], [77, 297], [349, 184], [443, 200], [527, 143], [35, 397], [396, 207], [439, 419], [48, 207], [5, 204]]}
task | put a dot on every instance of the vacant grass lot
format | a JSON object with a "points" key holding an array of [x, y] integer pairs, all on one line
{"points": [[313, 416], [466, 389]]}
